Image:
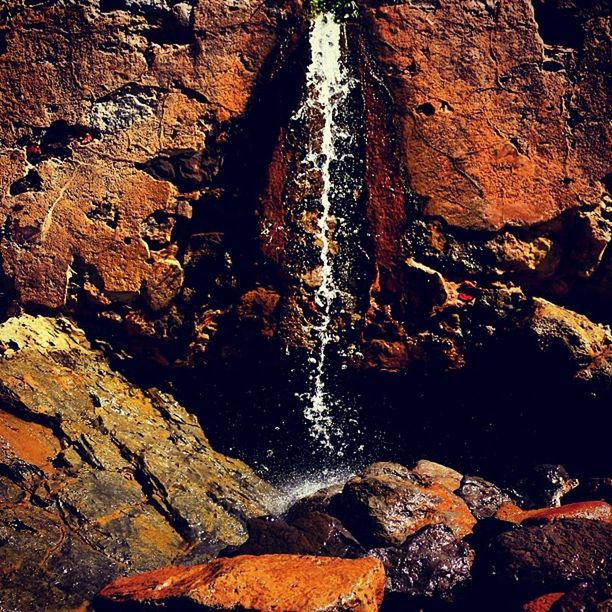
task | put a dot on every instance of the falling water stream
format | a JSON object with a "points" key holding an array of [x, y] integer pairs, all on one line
{"points": [[328, 88]]}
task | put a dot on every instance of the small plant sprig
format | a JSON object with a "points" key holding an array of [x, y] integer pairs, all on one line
{"points": [[342, 9]]}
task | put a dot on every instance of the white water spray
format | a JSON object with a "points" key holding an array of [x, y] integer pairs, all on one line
{"points": [[328, 87]]}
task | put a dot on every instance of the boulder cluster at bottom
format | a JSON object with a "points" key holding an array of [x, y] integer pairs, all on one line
{"points": [[428, 538]]}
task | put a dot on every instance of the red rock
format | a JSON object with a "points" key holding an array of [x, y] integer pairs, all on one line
{"points": [[595, 510], [483, 125], [543, 603], [282, 583]]}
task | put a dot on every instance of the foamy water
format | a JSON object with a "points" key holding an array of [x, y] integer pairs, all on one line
{"points": [[298, 486], [328, 84]]}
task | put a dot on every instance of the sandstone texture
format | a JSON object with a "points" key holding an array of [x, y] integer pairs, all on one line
{"points": [[484, 105], [285, 583], [99, 477]]}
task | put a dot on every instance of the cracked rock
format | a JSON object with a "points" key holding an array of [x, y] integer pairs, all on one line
{"points": [[99, 478]]}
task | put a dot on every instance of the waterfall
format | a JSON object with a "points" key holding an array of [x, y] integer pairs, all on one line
{"points": [[328, 87]]}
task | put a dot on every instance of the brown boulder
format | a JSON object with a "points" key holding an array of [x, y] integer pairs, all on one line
{"points": [[388, 502], [571, 337], [284, 583], [312, 533]]}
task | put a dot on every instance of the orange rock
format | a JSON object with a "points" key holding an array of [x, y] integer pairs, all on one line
{"points": [[266, 582], [484, 129], [543, 603], [509, 512], [28, 441], [595, 510]]}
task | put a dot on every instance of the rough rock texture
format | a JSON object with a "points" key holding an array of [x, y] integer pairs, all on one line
{"points": [[111, 139], [270, 582], [387, 503], [98, 477], [139, 142], [485, 109], [553, 556], [482, 497], [430, 564]]}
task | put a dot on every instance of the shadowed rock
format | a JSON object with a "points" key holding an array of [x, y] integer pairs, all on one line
{"points": [[554, 556], [310, 534], [430, 565]]}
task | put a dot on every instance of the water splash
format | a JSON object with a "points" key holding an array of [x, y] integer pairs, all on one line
{"points": [[328, 86]]}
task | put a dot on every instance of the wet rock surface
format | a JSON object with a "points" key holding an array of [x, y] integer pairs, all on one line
{"points": [[482, 497], [429, 565], [510, 552], [387, 503], [269, 582], [98, 477]]}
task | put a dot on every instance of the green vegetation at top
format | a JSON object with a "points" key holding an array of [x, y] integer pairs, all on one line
{"points": [[342, 9]]}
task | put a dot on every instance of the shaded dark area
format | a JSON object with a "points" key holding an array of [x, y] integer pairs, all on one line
{"points": [[511, 409], [557, 22], [32, 181]]}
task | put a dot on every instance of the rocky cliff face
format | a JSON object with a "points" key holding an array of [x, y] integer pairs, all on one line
{"points": [[136, 162], [148, 162]]}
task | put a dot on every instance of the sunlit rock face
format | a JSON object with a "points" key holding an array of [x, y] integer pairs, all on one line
{"points": [[111, 129], [491, 109], [98, 477]]}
